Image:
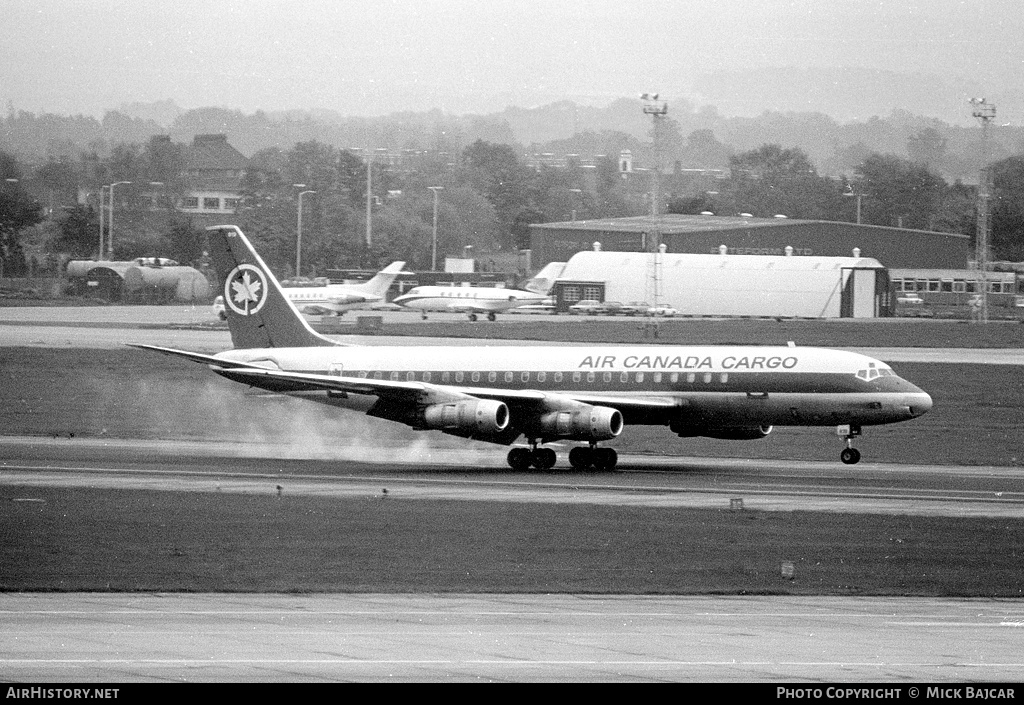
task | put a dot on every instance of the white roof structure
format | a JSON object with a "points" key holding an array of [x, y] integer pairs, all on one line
{"points": [[729, 285]]}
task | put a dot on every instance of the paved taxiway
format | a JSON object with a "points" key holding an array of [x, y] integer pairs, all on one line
{"points": [[556, 638]]}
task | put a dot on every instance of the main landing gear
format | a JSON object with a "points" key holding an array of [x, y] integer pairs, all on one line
{"points": [[540, 458], [850, 455], [580, 458], [490, 317]]}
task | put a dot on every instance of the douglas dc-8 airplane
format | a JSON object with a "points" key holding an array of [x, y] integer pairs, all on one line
{"points": [[587, 394]]}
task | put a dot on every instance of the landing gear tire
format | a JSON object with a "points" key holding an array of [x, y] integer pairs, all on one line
{"points": [[580, 458], [544, 459], [472, 317], [850, 455], [491, 317], [601, 459], [605, 459], [519, 459], [522, 459]]}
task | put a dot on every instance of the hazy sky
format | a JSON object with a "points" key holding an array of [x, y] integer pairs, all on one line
{"points": [[364, 58]]}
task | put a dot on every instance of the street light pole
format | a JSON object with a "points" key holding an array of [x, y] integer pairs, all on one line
{"points": [[986, 113], [433, 247], [103, 209], [369, 198], [850, 194], [110, 223], [298, 240], [658, 110], [8, 181]]}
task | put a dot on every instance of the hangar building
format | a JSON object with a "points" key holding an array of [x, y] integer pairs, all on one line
{"points": [[730, 285], [704, 234]]}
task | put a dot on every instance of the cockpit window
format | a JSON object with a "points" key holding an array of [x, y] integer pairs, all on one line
{"points": [[875, 371]]}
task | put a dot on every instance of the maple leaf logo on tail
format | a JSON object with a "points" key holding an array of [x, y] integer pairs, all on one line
{"points": [[245, 290]]}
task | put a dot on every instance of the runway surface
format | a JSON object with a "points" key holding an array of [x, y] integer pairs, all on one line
{"points": [[458, 474], [108, 638]]}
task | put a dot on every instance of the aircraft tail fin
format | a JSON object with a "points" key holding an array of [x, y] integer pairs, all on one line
{"points": [[381, 282], [543, 280], [259, 314]]}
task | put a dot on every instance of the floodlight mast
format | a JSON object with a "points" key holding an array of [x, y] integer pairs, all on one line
{"points": [[986, 113], [657, 110]]}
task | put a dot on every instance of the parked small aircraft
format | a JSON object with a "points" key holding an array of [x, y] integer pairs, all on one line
{"points": [[471, 300], [587, 394]]}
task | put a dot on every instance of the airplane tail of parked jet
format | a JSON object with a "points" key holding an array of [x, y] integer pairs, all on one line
{"points": [[381, 282], [544, 280], [259, 314]]}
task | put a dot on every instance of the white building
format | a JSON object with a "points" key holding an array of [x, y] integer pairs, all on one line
{"points": [[730, 285]]}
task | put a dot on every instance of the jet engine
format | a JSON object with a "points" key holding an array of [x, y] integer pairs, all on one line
{"points": [[582, 423], [735, 433], [467, 418]]}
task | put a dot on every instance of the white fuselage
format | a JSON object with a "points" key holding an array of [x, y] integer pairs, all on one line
{"points": [[723, 385], [334, 298], [467, 298]]}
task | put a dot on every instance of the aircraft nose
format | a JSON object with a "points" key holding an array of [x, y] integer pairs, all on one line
{"points": [[919, 401]]}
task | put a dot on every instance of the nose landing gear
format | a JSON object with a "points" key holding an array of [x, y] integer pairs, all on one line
{"points": [[850, 455]]}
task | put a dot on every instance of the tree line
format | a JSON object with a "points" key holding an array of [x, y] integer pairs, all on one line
{"points": [[488, 196]]}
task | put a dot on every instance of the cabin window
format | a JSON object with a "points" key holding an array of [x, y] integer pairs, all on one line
{"points": [[410, 376], [394, 376], [377, 375], [458, 376], [657, 377], [446, 377], [576, 376], [362, 374], [707, 377], [558, 376], [525, 377], [724, 377], [590, 376], [542, 376], [476, 376], [958, 286], [492, 376], [426, 376], [607, 376], [508, 376], [639, 376], [624, 377]]}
